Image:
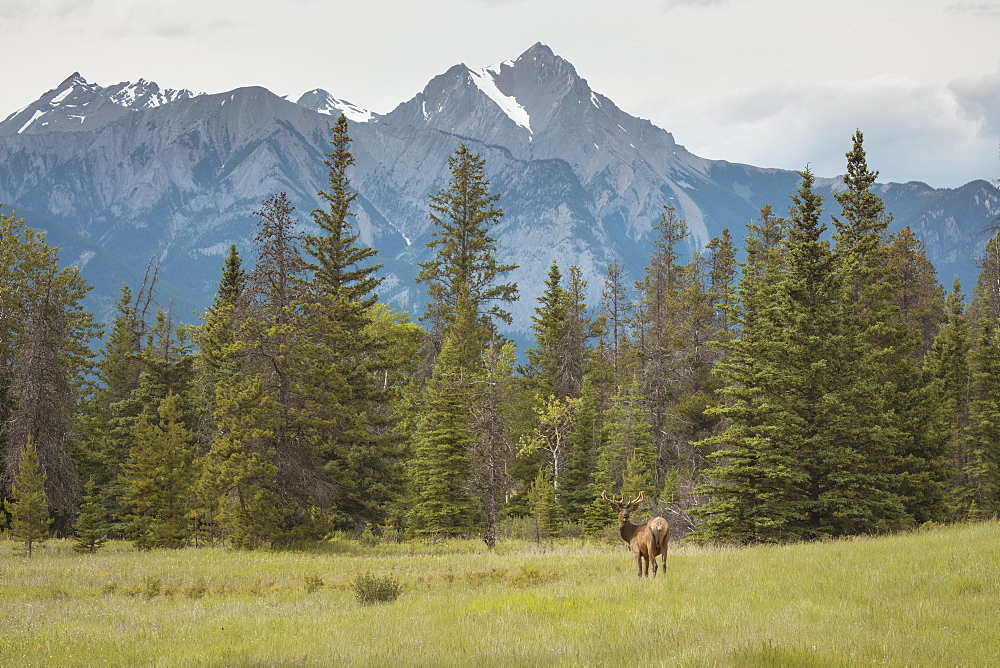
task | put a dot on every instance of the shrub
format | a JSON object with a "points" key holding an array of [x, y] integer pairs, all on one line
{"points": [[370, 589], [312, 582]]}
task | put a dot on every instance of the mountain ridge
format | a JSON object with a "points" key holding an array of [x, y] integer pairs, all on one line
{"points": [[174, 177]]}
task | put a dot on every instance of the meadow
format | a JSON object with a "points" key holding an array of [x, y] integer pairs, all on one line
{"points": [[930, 597]]}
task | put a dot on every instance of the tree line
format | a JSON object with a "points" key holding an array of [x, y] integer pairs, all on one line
{"points": [[811, 385]]}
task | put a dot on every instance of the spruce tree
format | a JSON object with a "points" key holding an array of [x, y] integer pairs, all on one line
{"points": [[545, 511], [91, 528], [977, 494], [264, 472], [29, 508], [467, 297], [549, 328], [345, 363], [441, 468], [802, 455], [750, 473], [159, 479], [465, 260], [340, 264]]}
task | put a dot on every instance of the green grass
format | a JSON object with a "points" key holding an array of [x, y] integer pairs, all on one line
{"points": [[927, 598]]}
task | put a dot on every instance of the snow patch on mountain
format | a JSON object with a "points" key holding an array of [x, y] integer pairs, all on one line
{"points": [[322, 102], [509, 105], [38, 114]]}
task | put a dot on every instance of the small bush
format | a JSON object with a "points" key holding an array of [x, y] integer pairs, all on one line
{"points": [[153, 588], [198, 589], [370, 589], [312, 582], [369, 538]]}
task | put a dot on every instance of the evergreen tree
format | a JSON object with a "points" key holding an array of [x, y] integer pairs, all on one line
{"points": [[465, 254], [949, 364], [441, 468], [978, 491], [919, 297], [463, 283], [887, 372], [585, 439], [492, 448], [544, 508], [548, 325], [344, 361], [750, 473], [159, 479], [617, 309], [264, 474], [45, 360], [802, 453], [29, 508], [340, 264], [91, 528]]}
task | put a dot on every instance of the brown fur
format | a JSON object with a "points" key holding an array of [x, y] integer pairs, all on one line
{"points": [[647, 540]]}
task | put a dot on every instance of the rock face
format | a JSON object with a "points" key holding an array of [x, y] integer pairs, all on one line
{"points": [[129, 175]]}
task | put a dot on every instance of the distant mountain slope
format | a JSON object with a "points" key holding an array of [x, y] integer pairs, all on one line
{"points": [[128, 174]]}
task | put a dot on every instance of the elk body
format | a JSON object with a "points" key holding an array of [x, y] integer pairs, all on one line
{"points": [[647, 540]]}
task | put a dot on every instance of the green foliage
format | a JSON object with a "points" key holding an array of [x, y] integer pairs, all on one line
{"points": [[544, 508], [464, 264], [159, 479], [91, 528], [371, 589], [29, 509]]}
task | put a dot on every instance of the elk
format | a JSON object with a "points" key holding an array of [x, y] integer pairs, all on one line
{"points": [[646, 540]]}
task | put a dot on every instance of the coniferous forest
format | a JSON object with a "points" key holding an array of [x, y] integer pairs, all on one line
{"points": [[811, 383]]}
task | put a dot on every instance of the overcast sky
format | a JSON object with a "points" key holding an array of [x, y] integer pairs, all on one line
{"points": [[773, 83]]}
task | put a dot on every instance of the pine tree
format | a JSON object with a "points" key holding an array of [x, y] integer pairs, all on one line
{"points": [[29, 509], [91, 528], [467, 298], [344, 362], [465, 254], [159, 479], [45, 360], [340, 262], [441, 468], [544, 508]]}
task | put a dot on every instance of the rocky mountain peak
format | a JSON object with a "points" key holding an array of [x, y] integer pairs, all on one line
{"points": [[320, 101], [77, 105]]}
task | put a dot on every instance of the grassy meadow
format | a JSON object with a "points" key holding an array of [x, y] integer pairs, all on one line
{"points": [[931, 597]]}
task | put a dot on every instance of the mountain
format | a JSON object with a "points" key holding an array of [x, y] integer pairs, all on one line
{"points": [[131, 174], [78, 106]]}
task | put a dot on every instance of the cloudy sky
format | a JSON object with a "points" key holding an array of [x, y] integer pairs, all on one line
{"points": [[773, 83]]}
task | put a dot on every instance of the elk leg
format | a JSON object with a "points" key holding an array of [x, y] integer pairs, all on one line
{"points": [[638, 563]]}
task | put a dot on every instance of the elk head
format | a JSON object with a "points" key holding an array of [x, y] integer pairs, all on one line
{"points": [[623, 509], [647, 540]]}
